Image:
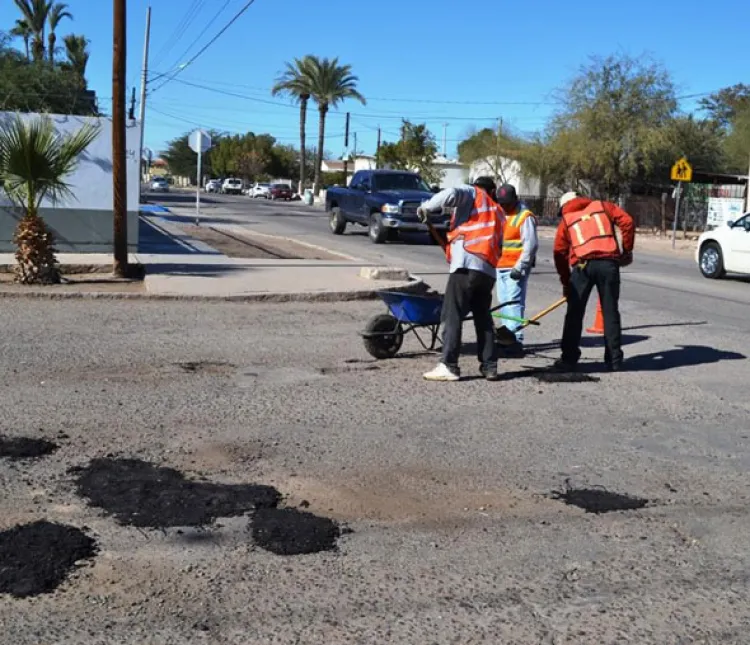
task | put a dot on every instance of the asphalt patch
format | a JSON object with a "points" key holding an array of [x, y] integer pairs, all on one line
{"points": [[287, 531], [565, 377], [137, 493], [18, 448], [599, 500], [208, 367], [36, 558]]}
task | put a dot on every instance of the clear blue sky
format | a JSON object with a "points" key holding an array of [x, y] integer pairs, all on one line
{"points": [[432, 61]]}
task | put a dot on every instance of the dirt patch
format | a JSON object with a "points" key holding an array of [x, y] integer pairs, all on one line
{"points": [[36, 558], [599, 500], [565, 377], [141, 494], [246, 245], [287, 531], [18, 448], [88, 282], [206, 367]]}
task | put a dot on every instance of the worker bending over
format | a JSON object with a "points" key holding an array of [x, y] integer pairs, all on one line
{"points": [[587, 255], [520, 244], [475, 239]]}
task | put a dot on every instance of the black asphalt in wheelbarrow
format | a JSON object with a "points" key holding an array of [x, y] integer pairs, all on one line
{"points": [[407, 313]]}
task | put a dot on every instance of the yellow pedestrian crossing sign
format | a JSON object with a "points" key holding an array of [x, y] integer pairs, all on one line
{"points": [[682, 171]]}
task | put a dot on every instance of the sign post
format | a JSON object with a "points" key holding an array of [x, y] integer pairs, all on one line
{"points": [[681, 171], [200, 142]]}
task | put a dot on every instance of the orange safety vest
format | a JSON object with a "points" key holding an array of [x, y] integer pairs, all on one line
{"points": [[512, 243], [592, 233], [482, 233]]}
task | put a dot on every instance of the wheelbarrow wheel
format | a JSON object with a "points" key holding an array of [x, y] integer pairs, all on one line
{"points": [[383, 336]]}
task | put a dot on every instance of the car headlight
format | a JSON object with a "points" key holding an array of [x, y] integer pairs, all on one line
{"points": [[390, 208]]}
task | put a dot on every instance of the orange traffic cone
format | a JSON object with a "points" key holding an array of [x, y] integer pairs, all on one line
{"points": [[598, 326]]}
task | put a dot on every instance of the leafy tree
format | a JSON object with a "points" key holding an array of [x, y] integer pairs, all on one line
{"points": [[296, 82], [76, 51], [416, 151], [23, 30], [610, 129], [498, 149], [57, 12], [183, 161], [330, 85], [737, 143], [723, 106], [699, 140], [34, 162]]}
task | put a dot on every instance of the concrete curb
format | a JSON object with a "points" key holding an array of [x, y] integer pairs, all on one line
{"points": [[412, 286]]}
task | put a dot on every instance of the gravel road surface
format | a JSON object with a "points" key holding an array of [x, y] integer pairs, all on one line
{"points": [[443, 493]]}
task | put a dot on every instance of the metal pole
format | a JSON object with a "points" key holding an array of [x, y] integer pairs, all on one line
{"points": [[445, 140], [747, 191], [119, 168], [676, 213], [198, 188], [144, 81], [377, 151], [346, 151]]}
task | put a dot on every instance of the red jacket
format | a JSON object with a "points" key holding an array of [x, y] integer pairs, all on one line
{"points": [[564, 255]]}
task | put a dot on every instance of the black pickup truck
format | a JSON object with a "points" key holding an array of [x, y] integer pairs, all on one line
{"points": [[385, 201]]}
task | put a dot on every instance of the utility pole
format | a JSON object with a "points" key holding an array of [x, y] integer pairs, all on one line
{"points": [[346, 151], [355, 146], [131, 111], [377, 151], [144, 81], [747, 191], [445, 140], [497, 150], [119, 168]]}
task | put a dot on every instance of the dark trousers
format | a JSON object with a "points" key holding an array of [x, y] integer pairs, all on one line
{"points": [[469, 292], [605, 276]]}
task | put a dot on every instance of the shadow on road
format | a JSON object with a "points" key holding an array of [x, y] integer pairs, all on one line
{"points": [[677, 324], [681, 356], [203, 270]]}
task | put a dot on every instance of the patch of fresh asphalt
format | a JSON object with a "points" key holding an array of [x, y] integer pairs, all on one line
{"points": [[445, 486]]}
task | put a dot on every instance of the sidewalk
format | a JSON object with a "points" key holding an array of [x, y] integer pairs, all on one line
{"points": [[181, 267]]}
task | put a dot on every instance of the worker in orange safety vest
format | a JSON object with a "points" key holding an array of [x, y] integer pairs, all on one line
{"points": [[587, 255], [475, 237]]}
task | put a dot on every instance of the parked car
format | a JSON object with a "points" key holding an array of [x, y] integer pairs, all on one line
{"points": [[385, 201], [213, 186], [232, 186], [725, 249], [159, 185], [259, 190], [280, 191]]}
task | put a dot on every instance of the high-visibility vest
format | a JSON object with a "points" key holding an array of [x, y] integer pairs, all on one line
{"points": [[592, 233], [512, 243], [482, 233]]}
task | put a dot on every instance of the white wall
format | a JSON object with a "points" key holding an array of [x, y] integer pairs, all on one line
{"points": [[512, 174]]}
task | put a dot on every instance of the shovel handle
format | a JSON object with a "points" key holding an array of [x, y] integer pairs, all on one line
{"points": [[549, 309], [435, 235]]}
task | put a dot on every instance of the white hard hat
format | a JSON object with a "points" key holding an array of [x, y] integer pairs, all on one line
{"points": [[568, 197]]}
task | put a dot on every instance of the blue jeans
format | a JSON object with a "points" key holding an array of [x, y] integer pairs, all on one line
{"points": [[512, 290]]}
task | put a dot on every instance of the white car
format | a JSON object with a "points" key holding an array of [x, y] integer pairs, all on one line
{"points": [[159, 185], [232, 187], [725, 249], [259, 190], [213, 186]]}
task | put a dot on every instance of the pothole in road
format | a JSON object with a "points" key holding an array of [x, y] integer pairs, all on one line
{"points": [[599, 500], [19, 448], [36, 558], [137, 493], [206, 367], [287, 531], [565, 377]]}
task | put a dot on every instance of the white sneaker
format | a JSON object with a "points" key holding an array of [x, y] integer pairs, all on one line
{"points": [[441, 373]]}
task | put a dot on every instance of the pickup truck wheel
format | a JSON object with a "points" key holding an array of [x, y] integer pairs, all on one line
{"points": [[336, 221], [383, 336], [377, 232]]}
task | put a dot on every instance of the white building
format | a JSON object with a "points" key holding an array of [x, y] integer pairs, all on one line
{"points": [[508, 171], [454, 173]]}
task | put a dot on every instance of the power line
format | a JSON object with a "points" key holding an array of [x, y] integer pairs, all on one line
{"points": [[205, 29], [209, 43], [180, 29]]}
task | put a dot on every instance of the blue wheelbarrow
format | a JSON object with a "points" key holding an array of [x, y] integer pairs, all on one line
{"points": [[408, 313]]}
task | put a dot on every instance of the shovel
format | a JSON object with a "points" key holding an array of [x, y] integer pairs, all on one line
{"points": [[504, 336]]}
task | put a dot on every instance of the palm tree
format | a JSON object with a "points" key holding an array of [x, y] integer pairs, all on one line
{"points": [[330, 84], [295, 82], [23, 30], [76, 49], [34, 162], [58, 11], [35, 13]]}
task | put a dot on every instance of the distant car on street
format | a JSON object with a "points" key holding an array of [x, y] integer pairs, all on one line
{"points": [[725, 249], [159, 185], [213, 186], [280, 191], [259, 190], [232, 186]]}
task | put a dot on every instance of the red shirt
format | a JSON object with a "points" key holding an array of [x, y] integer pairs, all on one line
{"points": [[564, 255]]}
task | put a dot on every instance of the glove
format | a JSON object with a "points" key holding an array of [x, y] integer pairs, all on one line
{"points": [[516, 275], [626, 259], [423, 215]]}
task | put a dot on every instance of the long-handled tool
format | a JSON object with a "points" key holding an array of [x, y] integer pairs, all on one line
{"points": [[504, 336]]}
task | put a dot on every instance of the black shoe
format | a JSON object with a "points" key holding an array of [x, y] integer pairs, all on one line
{"points": [[490, 374], [514, 351], [615, 367], [561, 365]]}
